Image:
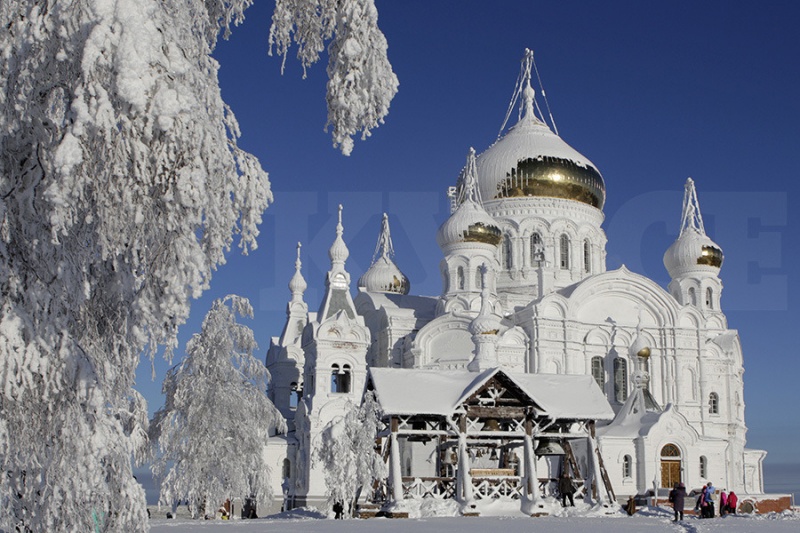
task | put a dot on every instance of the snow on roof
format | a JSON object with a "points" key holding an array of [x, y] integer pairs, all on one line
{"points": [[440, 392], [420, 306]]}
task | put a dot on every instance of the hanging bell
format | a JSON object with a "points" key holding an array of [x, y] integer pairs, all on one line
{"points": [[549, 447]]}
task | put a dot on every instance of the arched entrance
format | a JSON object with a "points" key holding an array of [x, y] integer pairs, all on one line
{"points": [[670, 466]]}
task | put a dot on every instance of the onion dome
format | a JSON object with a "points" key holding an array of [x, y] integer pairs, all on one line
{"points": [[693, 251], [383, 275], [469, 222], [338, 251], [297, 285], [530, 160]]}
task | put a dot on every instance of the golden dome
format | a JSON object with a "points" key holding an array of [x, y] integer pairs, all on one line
{"points": [[383, 275], [530, 160], [469, 223]]}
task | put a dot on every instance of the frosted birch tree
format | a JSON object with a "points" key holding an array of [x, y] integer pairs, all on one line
{"points": [[212, 430], [348, 453], [121, 189]]}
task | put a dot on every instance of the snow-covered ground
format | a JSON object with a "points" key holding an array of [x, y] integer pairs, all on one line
{"points": [[573, 521]]}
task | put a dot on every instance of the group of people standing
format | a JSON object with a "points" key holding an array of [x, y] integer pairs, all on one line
{"points": [[705, 501]]}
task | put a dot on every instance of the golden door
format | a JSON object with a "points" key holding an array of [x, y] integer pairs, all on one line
{"points": [[670, 473]]}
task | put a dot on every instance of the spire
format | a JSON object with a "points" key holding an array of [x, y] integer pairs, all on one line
{"points": [[297, 285], [524, 89], [384, 248], [469, 180], [337, 294], [338, 251], [691, 217]]}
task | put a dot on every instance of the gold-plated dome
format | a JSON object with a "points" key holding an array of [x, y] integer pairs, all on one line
{"points": [[532, 161], [553, 177], [711, 256]]}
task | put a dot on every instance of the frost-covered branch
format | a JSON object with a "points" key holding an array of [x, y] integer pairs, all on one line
{"points": [[361, 83]]}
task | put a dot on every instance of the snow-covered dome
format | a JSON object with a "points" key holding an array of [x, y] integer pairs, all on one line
{"points": [[383, 275], [693, 251], [531, 160], [469, 222]]}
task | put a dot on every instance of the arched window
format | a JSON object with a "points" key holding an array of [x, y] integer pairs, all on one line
{"points": [[287, 469], [598, 373], [294, 395], [537, 250], [703, 467], [709, 298], [627, 467], [692, 296], [587, 256], [713, 403], [340, 378], [564, 252], [620, 379], [460, 277], [478, 279], [507, 252]]}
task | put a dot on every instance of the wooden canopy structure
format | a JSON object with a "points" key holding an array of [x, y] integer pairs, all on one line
{"points": [[481, 433]]}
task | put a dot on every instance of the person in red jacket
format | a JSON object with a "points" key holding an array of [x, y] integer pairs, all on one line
{"points": [[732, 501]]}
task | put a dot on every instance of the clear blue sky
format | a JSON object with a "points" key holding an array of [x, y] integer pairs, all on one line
{"points": [[651, 92]]}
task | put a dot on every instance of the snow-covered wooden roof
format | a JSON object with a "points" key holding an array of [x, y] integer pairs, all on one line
{"points": [[440, 392]]}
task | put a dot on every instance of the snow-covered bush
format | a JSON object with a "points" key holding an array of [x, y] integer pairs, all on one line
{"points": [[348, 452], [213, 428]]}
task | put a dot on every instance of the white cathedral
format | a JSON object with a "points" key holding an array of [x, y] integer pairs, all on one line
{"points": [[534, 359]]}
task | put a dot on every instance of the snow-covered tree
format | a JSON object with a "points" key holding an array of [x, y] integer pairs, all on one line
{"points": [[361, 83], [348, 452], [121, 186], [214, 425]]}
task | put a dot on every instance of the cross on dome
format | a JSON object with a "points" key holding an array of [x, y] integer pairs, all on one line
{"points": [[691, 217]]}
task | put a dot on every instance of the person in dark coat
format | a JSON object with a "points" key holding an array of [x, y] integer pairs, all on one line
{"points": [[566, 489], [678, 496], [338, 509]]}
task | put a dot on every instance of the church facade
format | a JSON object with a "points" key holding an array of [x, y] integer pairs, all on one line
{"points": [[649, 379]]}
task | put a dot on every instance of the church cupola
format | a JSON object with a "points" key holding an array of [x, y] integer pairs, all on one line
{"points": [[546, 198], [532, 161], [337, 295], [694, 260], [469, 238], [383, 274]]}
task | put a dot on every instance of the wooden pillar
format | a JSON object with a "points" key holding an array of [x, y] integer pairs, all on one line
{"points": [[531, 478], [464, 479], [395, 474], [596, 473]]}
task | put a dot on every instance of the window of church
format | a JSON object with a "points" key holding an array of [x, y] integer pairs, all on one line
{"points": [[507, 252], [703, 467], [564, 252], [294, 395], [537, 250], [620, 379], [692, 296], [460, 277], [287, 469], [587, 256], [713, 403], [709, 298], [340, 379], [598, 372], [478, 280], [627, 467]]}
